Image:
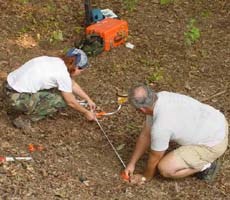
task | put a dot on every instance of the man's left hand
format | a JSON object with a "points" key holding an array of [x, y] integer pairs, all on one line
{"points": [[137, 179], [92, 105]]}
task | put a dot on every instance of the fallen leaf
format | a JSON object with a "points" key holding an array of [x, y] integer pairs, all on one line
{"points": [[121, 146]]}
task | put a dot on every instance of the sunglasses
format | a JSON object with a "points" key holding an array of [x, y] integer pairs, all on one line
{"points": [[80, 68]]}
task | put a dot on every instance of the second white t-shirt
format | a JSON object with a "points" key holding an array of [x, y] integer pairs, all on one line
{"points": [[184, 120], [40, 73]]}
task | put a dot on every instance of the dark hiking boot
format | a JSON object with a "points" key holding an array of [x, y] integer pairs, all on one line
{"points": [[23, 123], [210, 173]]}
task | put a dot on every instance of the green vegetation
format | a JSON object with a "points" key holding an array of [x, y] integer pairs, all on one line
{"points": [[147, 62], [157, 73], [155, 76], [165, 2], [56, 36], [24, 30], [205, 13], [23, 1], [130, 5], [192, 34]]}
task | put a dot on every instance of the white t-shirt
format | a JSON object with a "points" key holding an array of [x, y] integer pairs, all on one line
{"points": [[40, 73], [186, 121]]}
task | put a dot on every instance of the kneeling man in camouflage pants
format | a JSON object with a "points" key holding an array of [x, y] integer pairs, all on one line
{"points": [[44, 84]]}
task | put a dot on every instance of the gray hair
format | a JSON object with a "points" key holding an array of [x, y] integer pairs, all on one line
{"points": [[142, 96]]}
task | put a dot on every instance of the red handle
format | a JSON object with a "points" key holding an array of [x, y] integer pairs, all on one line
{"points": [[100, 114], [124, 176], [2, 159]]}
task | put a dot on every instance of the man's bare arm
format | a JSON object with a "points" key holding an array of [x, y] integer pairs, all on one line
{"points": [[153, 160], [142, 144], [72, 102], [79, 91]]}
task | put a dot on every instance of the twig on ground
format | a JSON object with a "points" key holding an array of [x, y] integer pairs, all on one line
{"points": [[213, 96]]}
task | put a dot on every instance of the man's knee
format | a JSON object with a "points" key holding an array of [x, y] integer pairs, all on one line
{"points": [[165, 170], [170, 164]]}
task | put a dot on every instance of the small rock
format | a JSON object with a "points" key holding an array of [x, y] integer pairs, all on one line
{"points": [[44, 173], [86, 183], [187, 86]]}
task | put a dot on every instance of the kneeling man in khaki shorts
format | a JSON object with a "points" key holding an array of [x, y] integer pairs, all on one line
{"points": [[199, 129]]}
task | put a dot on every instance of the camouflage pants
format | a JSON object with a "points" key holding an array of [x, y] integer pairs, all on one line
{"points": [[35, 105]]}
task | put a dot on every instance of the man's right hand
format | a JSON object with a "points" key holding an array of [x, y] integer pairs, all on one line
{"points": [[90, 116], [129, 169]]}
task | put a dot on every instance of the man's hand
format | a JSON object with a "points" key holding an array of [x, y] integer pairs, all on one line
{"points": [[137, 179], [91, 104], [90, 116], [129, 169]]}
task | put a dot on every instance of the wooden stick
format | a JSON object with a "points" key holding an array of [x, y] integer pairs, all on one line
{"points": [[213, 96]]}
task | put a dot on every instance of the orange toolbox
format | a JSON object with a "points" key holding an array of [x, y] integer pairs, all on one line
{"points": [[114, 32]]}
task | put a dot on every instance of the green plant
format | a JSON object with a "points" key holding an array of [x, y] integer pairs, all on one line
{"points": [[165, 2], [23, 1], [155, 76], [146, 62], [205, 13], [24, 30], [78, 29], [56, 36], [130, 5], [192, 34]]}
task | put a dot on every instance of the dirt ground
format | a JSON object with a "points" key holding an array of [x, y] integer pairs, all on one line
{"points": [[77, 162]]}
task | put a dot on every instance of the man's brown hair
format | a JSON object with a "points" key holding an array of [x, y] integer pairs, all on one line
{"points": [[69, 62]]}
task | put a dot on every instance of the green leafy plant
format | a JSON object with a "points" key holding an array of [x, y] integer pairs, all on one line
{"points": [[165, 2], [23, 1], [146, 62], [155, 67], [192, 34], [205, 13], [56, 36], [155, 76], [130, 5], [24, 30]]}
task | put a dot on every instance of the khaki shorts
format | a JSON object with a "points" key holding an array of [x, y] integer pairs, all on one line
{"points": [[197, 156]]}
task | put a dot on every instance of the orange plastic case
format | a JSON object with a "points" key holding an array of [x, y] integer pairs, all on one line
{"points": [[113, 31]]}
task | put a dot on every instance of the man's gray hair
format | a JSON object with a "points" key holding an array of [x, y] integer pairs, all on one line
{"points": [[142, 96]]}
